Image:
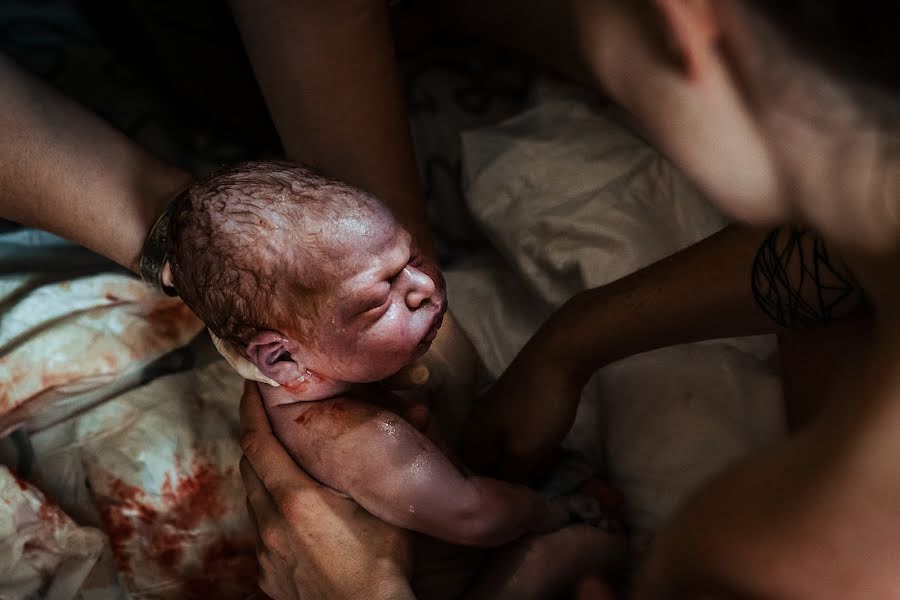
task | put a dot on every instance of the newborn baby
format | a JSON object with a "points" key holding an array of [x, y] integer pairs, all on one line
{"points": [[312, 287]]}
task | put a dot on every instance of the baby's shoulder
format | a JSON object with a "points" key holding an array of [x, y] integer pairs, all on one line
{"points": [[338, 413]]}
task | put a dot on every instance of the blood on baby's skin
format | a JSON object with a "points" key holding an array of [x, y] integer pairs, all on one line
{"points": [[336, 415], [304, 418]]}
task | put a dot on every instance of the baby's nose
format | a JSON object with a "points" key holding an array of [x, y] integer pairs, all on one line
{"points": [[420, 287]]}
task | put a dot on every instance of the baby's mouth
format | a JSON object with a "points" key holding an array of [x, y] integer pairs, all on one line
{"points": [[434, 328]]}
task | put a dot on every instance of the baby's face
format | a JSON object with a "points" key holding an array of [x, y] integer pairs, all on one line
{"points": [[385, 309]]}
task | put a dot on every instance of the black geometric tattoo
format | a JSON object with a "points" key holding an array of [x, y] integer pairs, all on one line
{"points": [[797, 283]]}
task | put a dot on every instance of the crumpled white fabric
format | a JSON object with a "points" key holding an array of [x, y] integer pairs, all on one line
{"points": [[60, 340], [162, 466], [571, 200], [43, 553]]}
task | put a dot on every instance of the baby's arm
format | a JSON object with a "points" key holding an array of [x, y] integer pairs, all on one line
{"points": [[399, 475]]}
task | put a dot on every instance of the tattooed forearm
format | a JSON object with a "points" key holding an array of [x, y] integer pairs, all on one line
{"points": [[797, 283]]}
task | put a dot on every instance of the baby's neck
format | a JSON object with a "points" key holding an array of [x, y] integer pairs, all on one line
{"points": [[305, 391]]}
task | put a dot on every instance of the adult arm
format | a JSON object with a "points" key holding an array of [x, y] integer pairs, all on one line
{"points": [[740, 281], [328, 73], [312, 543], [64, 170]]}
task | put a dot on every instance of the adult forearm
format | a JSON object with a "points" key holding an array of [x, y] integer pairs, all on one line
{"points": [[740, 281], [702, 292], [66, 171], [328, 74]]}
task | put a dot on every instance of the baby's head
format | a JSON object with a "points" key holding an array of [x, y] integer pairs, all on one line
{"points": [[307, 277]]}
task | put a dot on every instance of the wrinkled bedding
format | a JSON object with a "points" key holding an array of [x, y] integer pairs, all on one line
{"points": [[161, 463], [63, 337], [43, 551]]}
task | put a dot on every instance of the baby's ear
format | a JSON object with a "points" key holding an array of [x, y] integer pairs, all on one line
{"points": [[276, 356]]}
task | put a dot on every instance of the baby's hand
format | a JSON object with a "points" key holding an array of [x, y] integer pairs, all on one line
{"points": [[516, 428]]}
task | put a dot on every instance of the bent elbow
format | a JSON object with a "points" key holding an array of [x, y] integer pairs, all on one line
{"points": [[478, 523]]}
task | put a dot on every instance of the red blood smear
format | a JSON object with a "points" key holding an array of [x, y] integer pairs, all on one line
{"points": [[168, 318], [16, 377], [165, 529], [166, 550], [22, 484], [194, 498], [229, 570], [119, 513], [337, 415], [52, 515], [111, 297]]}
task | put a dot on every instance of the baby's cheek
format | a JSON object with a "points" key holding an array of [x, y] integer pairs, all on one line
{"points": [[382, 357]]}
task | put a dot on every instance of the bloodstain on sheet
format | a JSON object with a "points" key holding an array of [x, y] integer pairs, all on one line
{"points": [[123, 517], [23, 485], [229, 570], [52, 515], [170, 318], [17, 375], [29, 378], [167, 533]]}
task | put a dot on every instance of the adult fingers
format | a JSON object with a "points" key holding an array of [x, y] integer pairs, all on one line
{"points": [[257, 536], [253, 415], [254, 524], [257, 495], [271, 463]]}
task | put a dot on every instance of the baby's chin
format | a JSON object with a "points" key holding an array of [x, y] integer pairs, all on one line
{"points": [[388, 368]]}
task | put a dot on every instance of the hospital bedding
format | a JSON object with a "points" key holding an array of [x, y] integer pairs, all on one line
{"points": [[132, 430]]}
